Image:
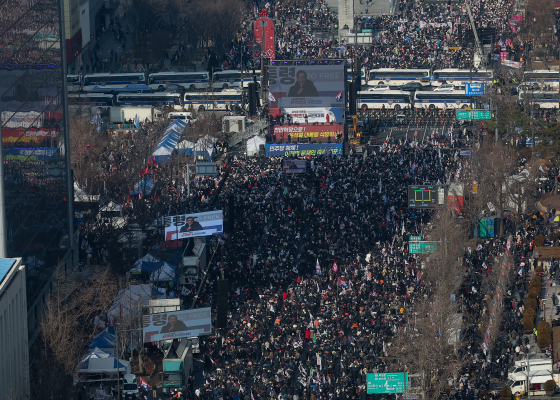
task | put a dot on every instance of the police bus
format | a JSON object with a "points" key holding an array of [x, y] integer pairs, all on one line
{"points": [[189, 80], [388, 99], [150, 99], [112, 80], [459, 77], [398, 77], [441, 100]]}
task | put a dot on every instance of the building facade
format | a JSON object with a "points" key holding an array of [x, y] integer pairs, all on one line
{"points": [[35, 153], [14, 356]]}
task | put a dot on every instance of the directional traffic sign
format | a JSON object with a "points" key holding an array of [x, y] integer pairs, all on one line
{"points": [[475, 88], [415, 238], [387, 383], [422, 247], [473, 114]]}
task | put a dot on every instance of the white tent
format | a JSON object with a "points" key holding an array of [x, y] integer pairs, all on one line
{"points": [[253, 145], [129, 301]]}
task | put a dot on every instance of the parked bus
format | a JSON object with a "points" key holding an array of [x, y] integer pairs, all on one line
{"points": [[389, 100], [232, 78], [91, 100], [231, 99], [441, 99], [189, 80], [459, 77], [149, 99], [112, 80], [540, 99], [139, 88], [74, 83], [542, 76], [363, 76], [398, 77]]}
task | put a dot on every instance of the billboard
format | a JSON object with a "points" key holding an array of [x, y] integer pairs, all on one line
{"points": [[305, 86], [176, 324], [314, 115], [194, 225], [303, 149], [315, 133], [426, 196], [293, 166]]}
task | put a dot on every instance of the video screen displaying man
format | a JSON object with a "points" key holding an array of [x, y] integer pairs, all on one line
{"points": [[303, 87], [173, 325], [191, 225]]}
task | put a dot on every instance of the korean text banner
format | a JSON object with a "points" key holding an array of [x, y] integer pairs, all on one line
{"points": [[293, 166], [176, 324], [305, 86], [194, 225], [315, 133], [303, 149], [311, 115]]}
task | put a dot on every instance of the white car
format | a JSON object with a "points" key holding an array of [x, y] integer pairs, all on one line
{"points": [[379, 87]]}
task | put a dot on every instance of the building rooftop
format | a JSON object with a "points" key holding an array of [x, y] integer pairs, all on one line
{"points": [[5, 265]]}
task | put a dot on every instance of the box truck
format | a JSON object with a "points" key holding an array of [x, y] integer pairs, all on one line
{"points": [[536, 380], [121, 115], [535, 364]]}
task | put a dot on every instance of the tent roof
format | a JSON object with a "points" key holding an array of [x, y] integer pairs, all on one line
{"points": [[164, 274], [109, 364], [147, 258], [146, 184]]}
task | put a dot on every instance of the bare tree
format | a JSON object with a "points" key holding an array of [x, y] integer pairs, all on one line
{"points": [[427, 345]]}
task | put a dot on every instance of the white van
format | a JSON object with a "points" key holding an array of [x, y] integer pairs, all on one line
{"points": [[536, 380], [535, 364], [184, 115], [130, 386]]}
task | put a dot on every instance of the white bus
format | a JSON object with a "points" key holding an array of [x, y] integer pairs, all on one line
{"points": [[91, 100], [363, 76], [74, 83], [112, 80], [540, 99], [441, 100], [232, 99], [543, 77], [389, 100], [232, 79], [398, 77], [459, 77], [149, 99], [189, 80]]}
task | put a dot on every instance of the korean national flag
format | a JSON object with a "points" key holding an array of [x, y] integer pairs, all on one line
{"points": [[145, 385], [339, 96]]}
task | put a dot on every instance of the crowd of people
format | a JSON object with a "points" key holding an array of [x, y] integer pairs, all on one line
{"points": [[417, 35]]}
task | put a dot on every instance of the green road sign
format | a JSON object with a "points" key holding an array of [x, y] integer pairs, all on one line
{"points": [[422, 247], [366, 30], [411, 238], [387, 383], [473, 114]]}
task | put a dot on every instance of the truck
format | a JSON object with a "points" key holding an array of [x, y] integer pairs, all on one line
{"points": [[120, 115], [535, 364], [173, 376], [130, 386], [536, 380]]}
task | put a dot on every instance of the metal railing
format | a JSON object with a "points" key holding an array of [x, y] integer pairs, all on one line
{"points": [[248, 133]]}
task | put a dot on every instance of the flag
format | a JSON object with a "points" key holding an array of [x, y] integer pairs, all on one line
{"points": [[145, 385], [271, 97], [343, 283], [318, 268], [334, 267], [339, 96]]}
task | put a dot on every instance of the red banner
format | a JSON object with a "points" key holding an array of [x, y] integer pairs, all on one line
{"points": [[315, 133], [268, 27]]}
